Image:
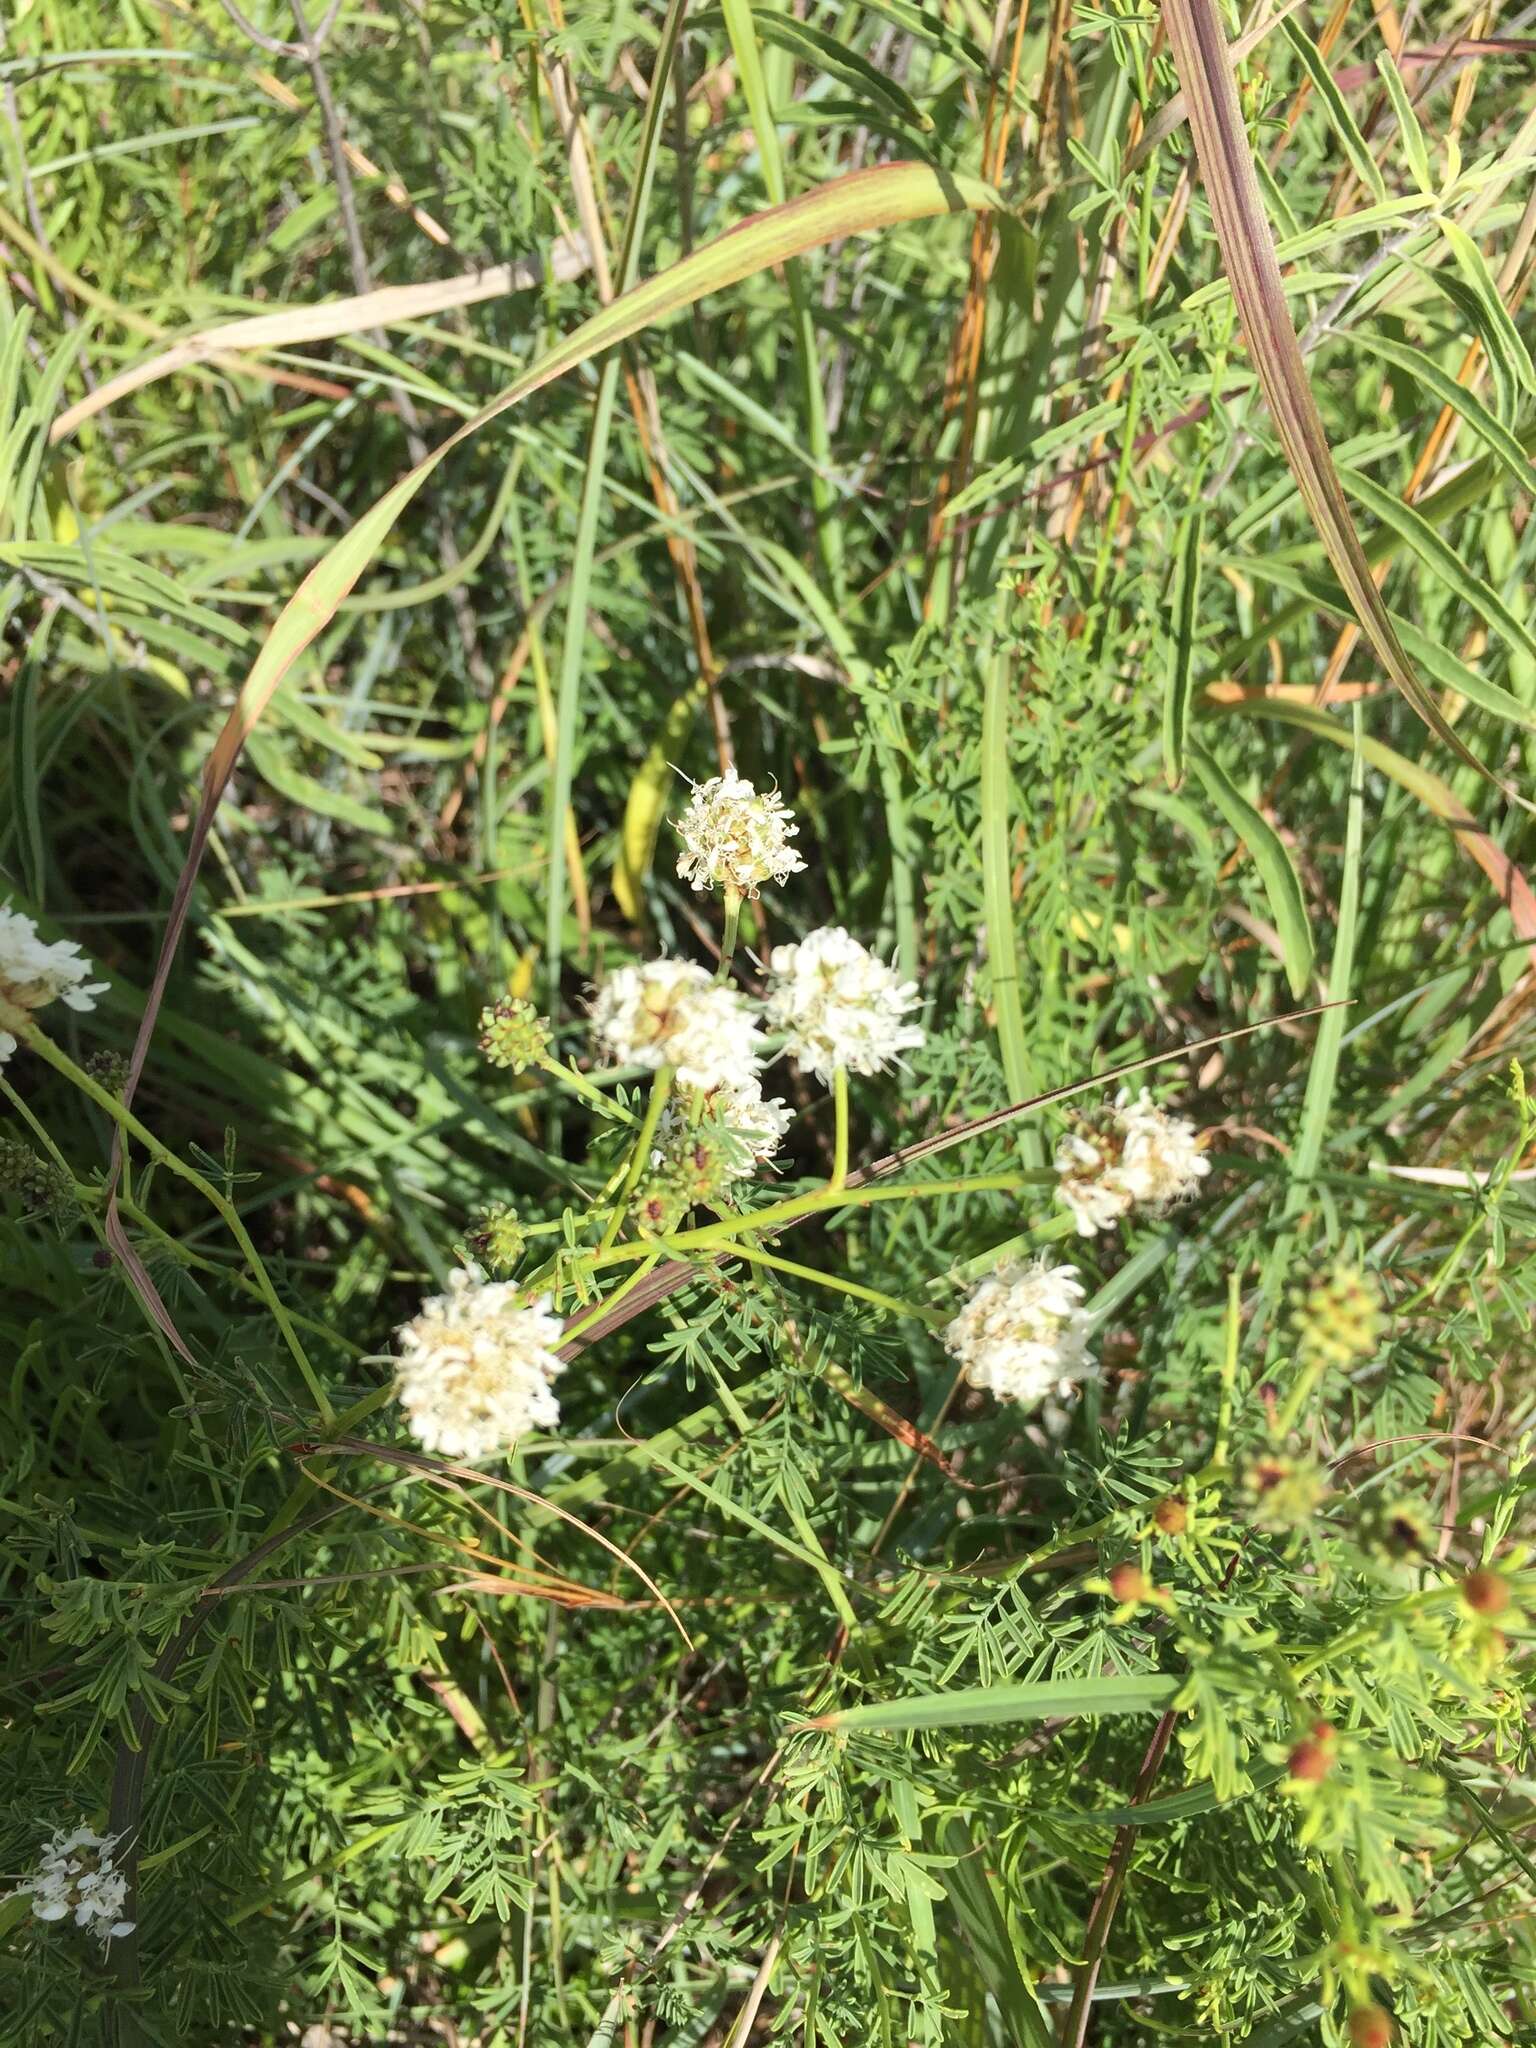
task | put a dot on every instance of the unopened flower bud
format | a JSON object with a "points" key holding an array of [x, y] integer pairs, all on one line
{"points": [[1286, 1492], [1396, 1529], [1171, 1515], [1312, 1758], [1339, 1319], [513, 1034], [1370, 2027], [497, 1239], [1128, 1583]]}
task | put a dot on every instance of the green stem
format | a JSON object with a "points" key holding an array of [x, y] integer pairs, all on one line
{"points": [[588, 1091], [729, 936], [840, 1138], [661, 1088], [997, 893], [341, 1425], [1298, 1398], [593, 1315], [1322, 1074], [777, 1214], [1228, 1369], [745, 48], [20, 1024], [891, 1303], [593, 489], [826, 1571]]}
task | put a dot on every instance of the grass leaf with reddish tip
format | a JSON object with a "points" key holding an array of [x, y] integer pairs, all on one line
{"points": [[1248, 254]]}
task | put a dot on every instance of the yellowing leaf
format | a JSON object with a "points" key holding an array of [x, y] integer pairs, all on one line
{"points": [[645, 804]]}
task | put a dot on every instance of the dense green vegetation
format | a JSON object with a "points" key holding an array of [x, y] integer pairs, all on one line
{"points": [[792, 1686]]}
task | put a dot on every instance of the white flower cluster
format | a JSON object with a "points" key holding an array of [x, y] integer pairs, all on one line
{"points": [[671, 1013], [735, 839], [76, 1879], [1145, 1157], [1023, 1335], [839, 1004], [33, 973], [476, 1367], [759, 1121]]}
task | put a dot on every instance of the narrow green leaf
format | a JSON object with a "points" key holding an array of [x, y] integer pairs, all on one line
{"points": [[573, 642], [1505, 448], [1277, 871], [1408, 125], [741, 28], [1414, 529], [996, 876], [1185, 606], [842, 61], [1321, 593], [973, 1896], [980, 1706], [1189, 1804], [1513, 890], [274, 767], [1500, 324], [25, 781], [1322, 1073], [1345, 126]]}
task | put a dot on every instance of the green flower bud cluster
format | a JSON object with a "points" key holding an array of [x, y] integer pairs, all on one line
{"points": [[497, 1239], [44, 1187], [1339, 1320], [513, 1034], [1284, 1492], [692, 1164]]}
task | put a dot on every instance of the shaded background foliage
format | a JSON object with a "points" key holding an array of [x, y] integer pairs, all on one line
{"points": [[1017, 504]]}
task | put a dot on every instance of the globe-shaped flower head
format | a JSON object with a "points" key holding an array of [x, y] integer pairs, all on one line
{"points": [[733, 838], [839, 1005]]}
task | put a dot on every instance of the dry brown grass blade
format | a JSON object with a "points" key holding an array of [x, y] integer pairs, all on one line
{"points": [[1253, 269], [297, 325], [467, 1475], [1170, 118], [143, 1286], [896, 1425]]}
